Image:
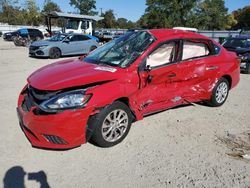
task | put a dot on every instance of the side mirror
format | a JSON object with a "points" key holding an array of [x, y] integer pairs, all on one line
{"points": [[148, 68]]}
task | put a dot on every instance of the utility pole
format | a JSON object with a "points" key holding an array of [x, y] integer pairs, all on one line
{"points": [[101, 10]]}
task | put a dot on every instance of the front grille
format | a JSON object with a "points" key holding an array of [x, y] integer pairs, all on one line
{"points": [[39, 95], [35, 97], [55, 139], [27, 104], [33, 48]]}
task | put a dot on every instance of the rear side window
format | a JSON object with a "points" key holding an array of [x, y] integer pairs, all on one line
{"points": [[74, 38], [217, 49], [82, 37], [195, 49]]}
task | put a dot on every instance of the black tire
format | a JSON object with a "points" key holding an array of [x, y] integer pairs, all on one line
{"points": [[215, 99], [54, 53], [38, 38], [27, 42], [97, 123], [92, 48], [16, 41]]}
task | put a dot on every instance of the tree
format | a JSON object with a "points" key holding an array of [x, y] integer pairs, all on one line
{"points": [[122, 23], [9, 12], [108, 21], [33, 15], [51, 6], [84, 6], [242, 16], [211, 15], [167, 13]]}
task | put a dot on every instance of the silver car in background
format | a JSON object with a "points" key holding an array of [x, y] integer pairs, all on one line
{"points": [[63, 45]]}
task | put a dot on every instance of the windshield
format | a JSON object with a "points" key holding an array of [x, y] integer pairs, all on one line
{"points": [[122, 51], [72, 24], [58, 37], [233, 42]]}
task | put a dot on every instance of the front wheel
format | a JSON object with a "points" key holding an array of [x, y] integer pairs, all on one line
{"points": [[54, 53], [112, 124], [220, 93]]}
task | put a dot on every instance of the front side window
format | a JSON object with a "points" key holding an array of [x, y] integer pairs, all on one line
{"points": [[165, 54], [83, 37], [122, 51], [194, 49]]}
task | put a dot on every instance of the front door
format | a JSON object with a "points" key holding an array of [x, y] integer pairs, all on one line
{"points": [[158, 88]]}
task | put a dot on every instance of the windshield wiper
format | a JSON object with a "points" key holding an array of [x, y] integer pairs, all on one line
{"points": [[107, 63]]}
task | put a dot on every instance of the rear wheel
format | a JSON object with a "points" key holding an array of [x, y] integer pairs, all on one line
{"points": [[16, 41], [220, 93], [112, 124], [38, 38], [54, 53]]}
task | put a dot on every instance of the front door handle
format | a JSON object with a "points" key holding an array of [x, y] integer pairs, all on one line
{"points": [[212, 68], [171, 75]]}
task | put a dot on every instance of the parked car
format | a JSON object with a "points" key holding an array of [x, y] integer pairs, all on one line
{"points": [[62, 45], [1, 33], [118, 35], [97, 97], [9, 35], [33, 34], [108, 36], [241, 46], [245, 31]]}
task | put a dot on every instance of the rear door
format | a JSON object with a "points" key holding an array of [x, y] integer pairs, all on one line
{"points": [[85, 44], [73, 47], [198, 67]]}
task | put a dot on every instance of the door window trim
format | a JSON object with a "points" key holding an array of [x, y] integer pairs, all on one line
{"points": [[177, 47], [209, 44]]}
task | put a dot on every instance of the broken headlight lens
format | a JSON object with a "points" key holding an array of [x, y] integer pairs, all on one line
{"points": [[67, 100]]}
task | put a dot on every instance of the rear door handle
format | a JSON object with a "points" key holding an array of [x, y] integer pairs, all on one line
{"points": [[212, 68], [171, 75]]}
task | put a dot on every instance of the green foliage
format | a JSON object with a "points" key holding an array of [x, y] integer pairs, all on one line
{"points": [[84, 6], [33, 15], [211, 15], [108, 21], [51, 6], [201, 14], [242, 16], [122, 23], [167, 13]]}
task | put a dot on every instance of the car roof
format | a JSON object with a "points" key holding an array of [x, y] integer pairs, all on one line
{"points": [[170, 33]]}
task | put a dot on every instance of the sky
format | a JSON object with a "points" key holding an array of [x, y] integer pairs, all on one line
{"points": [[130, 9]]}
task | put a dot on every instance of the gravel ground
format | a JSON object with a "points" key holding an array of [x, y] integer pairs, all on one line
{"points": [[175, 148]]}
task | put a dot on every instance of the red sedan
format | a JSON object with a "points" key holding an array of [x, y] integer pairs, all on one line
{"points": [[98, 97]]}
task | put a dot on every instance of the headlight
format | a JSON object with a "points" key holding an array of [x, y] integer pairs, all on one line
{"points": [[67, 100]]}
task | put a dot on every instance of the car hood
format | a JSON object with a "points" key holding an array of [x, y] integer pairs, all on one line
{"points": [[43, 43], [72, 73]]}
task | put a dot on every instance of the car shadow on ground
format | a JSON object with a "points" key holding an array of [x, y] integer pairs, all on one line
{"points": [[65, 56], [15, 178]]}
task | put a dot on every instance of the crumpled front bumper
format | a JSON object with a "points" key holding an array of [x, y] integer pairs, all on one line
{"points": [[63, 130]]}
